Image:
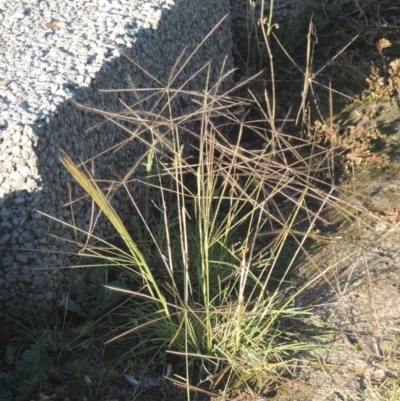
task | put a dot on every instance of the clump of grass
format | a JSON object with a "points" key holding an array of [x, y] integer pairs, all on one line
{"points": [[216, 297], [210, 256], [209, 297]]}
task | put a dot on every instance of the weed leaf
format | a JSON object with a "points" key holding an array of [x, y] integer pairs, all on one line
{"points": [[35, 359]]}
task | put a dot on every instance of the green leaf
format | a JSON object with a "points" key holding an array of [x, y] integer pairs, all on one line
{"points": [[320, 21], [28, 386], [81, 384], [79, 287], [116, 296], [5, 395], [25, 388], [332, 9], [36, 358], [10, 355], [77, 366], [97, 275], [74, 307], [41, 378]]}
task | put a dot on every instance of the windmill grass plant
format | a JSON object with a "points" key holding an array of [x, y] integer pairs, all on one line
{"points": [[212, 296], [209, 289], [208, 255]]}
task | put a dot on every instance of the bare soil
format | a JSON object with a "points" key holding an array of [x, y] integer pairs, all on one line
{"points": [[355, 271]]}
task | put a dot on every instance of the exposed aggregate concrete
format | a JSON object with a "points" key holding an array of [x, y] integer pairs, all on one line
{"points": [[45, 70]]}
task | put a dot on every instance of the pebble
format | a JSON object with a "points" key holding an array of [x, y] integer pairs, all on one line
{"points": [[22, 258]]}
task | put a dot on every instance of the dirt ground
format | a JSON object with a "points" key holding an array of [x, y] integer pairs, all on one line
{"points": [[357, 294]]}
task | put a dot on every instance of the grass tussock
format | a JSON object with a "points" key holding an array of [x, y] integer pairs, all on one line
{"points": [[210, 251]]}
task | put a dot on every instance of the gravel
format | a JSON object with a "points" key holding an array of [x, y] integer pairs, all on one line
{"points": [[52, 55], [51, 47]]}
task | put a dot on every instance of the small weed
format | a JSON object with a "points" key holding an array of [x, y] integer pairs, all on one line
{"points": [[386, 85], [352, 144], [30, 371], [33, 372], [89, 297], [324, 13], [81, 381]]}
